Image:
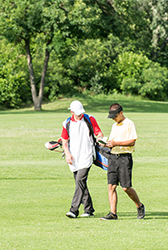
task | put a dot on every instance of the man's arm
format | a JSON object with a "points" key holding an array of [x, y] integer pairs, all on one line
{"points": [[99, 136], [111, 144], [69, 157], [96, 129]]}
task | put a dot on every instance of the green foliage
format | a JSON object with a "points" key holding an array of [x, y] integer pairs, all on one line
{"points": [[159, 27], [138, 75], [129, 67], [41, 21], [20, 19], [130, 86], [86, 65], [154, 83], [102, 46], [96, 86], [14, 89]]}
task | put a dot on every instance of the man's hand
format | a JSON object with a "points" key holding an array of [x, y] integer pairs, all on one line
{"points": [[69, 158], [110, 144]]}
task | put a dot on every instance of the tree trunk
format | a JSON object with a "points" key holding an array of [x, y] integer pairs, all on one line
{"points": [[37, 100], [31, 73], [41, 90]]}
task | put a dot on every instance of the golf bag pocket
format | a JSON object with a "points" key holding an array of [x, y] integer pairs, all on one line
{"points": [[102, 155]]}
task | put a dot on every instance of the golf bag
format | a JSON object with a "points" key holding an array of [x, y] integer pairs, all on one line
{"points": [[102, 153]]}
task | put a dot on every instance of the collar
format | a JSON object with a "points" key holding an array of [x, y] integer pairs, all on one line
{"points": [[73, 118], [121, 123]]}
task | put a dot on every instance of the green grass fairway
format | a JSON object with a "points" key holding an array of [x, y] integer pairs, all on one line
{"points": [[37, 186]]}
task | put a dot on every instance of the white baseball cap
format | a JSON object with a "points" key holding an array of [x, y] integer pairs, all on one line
{"points": [[77, 107]]}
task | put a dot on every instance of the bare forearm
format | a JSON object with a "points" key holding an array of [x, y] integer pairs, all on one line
{"points": [[112, 143], [69, 157], [100, 135], [65, 146]]}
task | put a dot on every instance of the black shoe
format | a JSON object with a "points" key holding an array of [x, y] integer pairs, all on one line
{"points": [[141, 212], [109, 216]]}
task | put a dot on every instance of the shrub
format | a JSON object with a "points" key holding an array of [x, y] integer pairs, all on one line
{"points": [[137, 75], [130, 86], [13, 88], [154, 83]]}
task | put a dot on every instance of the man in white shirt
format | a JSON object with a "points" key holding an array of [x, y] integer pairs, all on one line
{"points": [[122, 143], [79, 149]]}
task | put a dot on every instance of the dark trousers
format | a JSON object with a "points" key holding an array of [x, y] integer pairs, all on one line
{"points": [[81, 195]]}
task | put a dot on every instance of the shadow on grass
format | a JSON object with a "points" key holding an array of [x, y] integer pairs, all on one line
{"points": [[156, 215], [92, 104], [128, 106], [30, 179], [133, 215]]}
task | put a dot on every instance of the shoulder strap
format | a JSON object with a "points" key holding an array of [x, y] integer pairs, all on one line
{"points": [[88, 118], [68, 124], [88, 122]]}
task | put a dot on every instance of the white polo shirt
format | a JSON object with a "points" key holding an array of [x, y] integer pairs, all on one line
{"points": [[81, 143], [122, 132]]}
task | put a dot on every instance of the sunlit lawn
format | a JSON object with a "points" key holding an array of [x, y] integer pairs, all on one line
{"points": [[37, 186]]}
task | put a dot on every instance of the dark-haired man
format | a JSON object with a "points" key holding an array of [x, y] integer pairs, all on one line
{"points": [[122, 141]]}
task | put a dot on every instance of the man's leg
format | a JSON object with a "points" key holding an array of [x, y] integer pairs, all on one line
{"points": [[87, 202], [112, 185], [133, 195], [81, 192], [140, 207], [112, 194]]}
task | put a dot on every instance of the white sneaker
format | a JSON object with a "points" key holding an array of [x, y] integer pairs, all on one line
{"points": [[86, 215], [71, 215]]}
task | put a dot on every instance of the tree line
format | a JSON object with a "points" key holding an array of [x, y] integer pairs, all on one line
{"points": [[52, 48]]}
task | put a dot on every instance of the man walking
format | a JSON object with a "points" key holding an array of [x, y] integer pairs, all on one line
{"points": [[122, 142], [79, 150]]}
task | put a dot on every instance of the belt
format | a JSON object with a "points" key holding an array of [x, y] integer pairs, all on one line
{"points": [[126, 154]]}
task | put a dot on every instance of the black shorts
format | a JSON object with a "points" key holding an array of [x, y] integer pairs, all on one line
{"points": [[120, 170]]}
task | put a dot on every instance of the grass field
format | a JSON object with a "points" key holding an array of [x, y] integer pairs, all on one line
{"points": [[37, 186]]}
